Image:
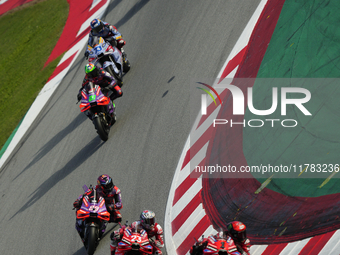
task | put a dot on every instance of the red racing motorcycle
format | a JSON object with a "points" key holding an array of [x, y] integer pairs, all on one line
{"points": [[94, 214]]}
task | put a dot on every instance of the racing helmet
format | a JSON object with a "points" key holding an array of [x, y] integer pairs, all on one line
{"points": [[237, 230], [91, 70], [105, 182], [147, 219], [97, 25]]}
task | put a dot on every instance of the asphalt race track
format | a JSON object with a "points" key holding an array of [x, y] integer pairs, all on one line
{"points": [[169, 44]]}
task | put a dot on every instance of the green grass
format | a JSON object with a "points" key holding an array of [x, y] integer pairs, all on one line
{"points": [[27, 39]]}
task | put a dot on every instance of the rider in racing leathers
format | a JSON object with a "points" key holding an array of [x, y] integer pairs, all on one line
{"points": [[113, 201], [146, 222], [102, 78], [236, 230], [109, 33], [112, 196]]}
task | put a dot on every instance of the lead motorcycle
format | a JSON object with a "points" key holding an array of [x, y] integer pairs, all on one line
{"points": [[94, 215], [99, 108], [108, 57]]}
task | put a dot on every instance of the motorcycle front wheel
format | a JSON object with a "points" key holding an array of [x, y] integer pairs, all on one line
{"points": [[102, 131], [92, 240]]}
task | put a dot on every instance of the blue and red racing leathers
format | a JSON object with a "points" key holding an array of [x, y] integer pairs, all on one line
{"points": [[109, 33]]}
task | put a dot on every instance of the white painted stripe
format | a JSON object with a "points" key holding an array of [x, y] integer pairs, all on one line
{"points": [[188, 225], [170, 246], [210, 231], [333, 245], [98, 14], [78, 46], [245, 36], [186, 198], [94, 3], [257, 249], [185, 172], [196, 134], [3, 1], [295, 247]]}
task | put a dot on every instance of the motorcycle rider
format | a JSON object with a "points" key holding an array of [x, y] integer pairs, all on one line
{"points": [[236, 230], [112, 196], [113, 201], [148, 223], [109, 33], [99, 76]]}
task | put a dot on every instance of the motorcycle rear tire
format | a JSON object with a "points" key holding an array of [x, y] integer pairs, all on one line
{"points": [[101, 130], [92, 240]]}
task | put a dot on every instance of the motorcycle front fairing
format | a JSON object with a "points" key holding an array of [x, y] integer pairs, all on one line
{"points": [[220, 246], [93, 97], [134, 241], [100, 56], [91, 209]]}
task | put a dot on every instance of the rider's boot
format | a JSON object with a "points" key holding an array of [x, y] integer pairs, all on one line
{"points": [[116, 92]]}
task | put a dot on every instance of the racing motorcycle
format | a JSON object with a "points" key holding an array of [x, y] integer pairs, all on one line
{"points": [[219, 246], [109, 58], [99, 108], [134, 243], [94, 215]]}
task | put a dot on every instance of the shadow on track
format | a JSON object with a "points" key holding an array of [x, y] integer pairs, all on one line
{"points": [[54, 141], [81, 251], [113, 5], [75, 162], [139, 5]]}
